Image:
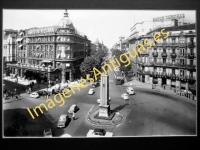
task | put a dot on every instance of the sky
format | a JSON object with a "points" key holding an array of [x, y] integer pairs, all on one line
{"points": [[105, 25]]}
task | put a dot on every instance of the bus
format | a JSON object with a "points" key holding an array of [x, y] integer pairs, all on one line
{"points": [[118, 77]]}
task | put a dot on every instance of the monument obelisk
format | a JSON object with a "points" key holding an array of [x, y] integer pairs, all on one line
{"points": [[104, 107]]}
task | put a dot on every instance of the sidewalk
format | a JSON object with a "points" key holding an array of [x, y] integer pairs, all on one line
{"points": [[138, 84]]}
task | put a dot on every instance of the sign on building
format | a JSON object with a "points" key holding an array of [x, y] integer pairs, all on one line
{"points": [[170, 17]]}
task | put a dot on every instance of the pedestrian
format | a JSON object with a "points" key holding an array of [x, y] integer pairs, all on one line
{"points": [[73, 116], [164, 87], [16, 97], [12, 94]]}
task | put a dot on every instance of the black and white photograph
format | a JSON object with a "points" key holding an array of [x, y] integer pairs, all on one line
{"points": [[95, 73]]}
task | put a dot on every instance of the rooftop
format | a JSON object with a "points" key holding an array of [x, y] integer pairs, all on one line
{"points": [[176, 28]]}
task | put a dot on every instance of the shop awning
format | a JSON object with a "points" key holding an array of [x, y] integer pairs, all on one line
{"points": [[47, 61], [19, 39]]}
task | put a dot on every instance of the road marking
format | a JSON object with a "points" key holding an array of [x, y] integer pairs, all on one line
{"points": [[91, 108]]}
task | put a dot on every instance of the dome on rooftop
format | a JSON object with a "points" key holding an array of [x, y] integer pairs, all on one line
{"points": [[66, 22]]}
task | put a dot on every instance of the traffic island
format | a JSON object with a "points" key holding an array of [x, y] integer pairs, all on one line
{"points": [[114, 119]]}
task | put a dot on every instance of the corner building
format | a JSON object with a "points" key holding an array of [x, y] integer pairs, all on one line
{"points": [[55, 52], [172, 61]]}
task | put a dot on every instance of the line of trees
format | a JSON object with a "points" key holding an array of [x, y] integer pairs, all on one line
{"points": [[94, 60], [127, 70]]}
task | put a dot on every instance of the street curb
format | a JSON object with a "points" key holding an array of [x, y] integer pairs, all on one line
{"points": [[143, 87], [169, 93]]}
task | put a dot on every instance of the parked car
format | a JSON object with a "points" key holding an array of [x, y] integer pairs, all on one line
{"points": [[62, 121], [99, 100], [130, 90], [34, 95], [47, 133], [99, 133], [73, 108], [124, 96], [91, 91]]}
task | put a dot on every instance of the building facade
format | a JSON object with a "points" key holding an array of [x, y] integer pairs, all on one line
{"points": [[171, 62], [54, 52], [9, 46]]}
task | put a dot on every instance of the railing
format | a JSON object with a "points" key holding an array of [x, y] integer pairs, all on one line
{"points": [[182, 65], [190, 77], [191, 55], [172, 44], [182, 44], [191, 66], [173, 54], [191, 44], [155, 54], [161, 44], [164, 54], [183, 54]]}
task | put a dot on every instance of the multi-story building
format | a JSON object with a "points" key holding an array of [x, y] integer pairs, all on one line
{"points": [[138, 29], [97, 45], [55, 52], [9, 46], [171, 62]]}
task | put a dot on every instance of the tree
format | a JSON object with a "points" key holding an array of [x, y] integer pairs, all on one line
{"points": [[88, 64]]}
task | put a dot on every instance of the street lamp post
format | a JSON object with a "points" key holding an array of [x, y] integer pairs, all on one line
{"points": [[49, 76]]}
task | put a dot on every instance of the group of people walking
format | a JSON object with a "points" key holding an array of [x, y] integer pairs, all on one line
{"points": [[15, 94]]}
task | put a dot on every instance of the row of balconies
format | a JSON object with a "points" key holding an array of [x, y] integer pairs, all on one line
{"points": [[177, 65], [190, 44], [67, 41], [174, 55], [165, 74]]}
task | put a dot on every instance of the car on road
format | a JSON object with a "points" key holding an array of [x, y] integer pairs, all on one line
{"points": [[42, 93], [47, 133], [99, 133], [73, 108], [34, 95], [95, 84], [130, 90], [99, 100], [91, 91], [62, 121], [124, 96]]}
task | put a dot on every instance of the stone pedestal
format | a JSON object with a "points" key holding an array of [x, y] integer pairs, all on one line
{"points": [[104, 111]]}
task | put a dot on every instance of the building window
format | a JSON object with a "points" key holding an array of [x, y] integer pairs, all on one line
{"points": [[191, 62], [173, 61], [155, 60], [191, 40], [191, 51], [164, 60]]}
